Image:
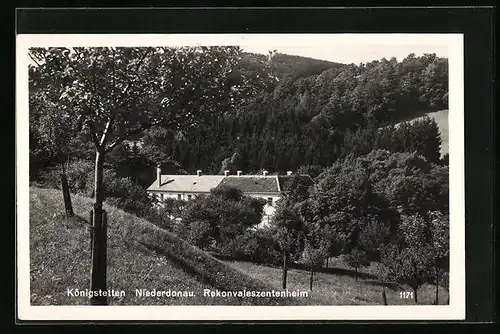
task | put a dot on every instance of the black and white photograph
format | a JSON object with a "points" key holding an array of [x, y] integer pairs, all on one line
{"points": [[274, 172]]}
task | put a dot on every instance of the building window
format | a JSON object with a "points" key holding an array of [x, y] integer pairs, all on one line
{"points": [[179, 196], [270, 201], [189, 197]]}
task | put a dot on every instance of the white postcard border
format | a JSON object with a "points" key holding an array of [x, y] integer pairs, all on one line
{"points": [[454, 311]]}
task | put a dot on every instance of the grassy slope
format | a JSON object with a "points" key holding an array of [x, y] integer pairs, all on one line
{"points": [[140, 255], [337, 285]]}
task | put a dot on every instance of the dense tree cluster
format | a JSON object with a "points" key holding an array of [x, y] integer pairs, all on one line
{"points": [[219, 218], [379, 207]]}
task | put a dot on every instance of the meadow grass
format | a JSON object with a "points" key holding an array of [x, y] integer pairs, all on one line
{"points": [[337, 285], [140, 255]]}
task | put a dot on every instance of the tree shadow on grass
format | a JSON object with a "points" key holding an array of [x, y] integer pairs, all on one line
{"points": [[335, 271], [220, 256], [392, 286], [183, 265], [75, 221], [219, 277]]}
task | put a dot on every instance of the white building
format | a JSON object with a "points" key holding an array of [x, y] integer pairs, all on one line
{"points": [[186, 187]]}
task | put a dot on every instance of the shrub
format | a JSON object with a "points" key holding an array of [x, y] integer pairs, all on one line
{"points": [[77, 172], [222, 217], [160, 217], [373, 237], [200, 234], [256, 246]]}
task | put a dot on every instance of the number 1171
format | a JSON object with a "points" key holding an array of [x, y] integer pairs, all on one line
{"points": [[406, 294]]}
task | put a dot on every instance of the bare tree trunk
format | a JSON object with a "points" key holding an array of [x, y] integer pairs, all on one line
{"points": [[312, 277], [91, 221], [285, 268], [384, 296], [98, 271], [66, 194], [356, 274], [415, 293], [437, 285]]}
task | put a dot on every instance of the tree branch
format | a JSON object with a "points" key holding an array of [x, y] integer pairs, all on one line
{"points": [[107, 128], [32, 58], [77, 73], [131, 133], [122, 94], [94, 138]]}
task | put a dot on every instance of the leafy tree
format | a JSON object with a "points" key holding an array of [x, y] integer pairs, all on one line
{"points": [[174, 207], [297, 189], [356, 258], [314, 256], [445, 159], [374, 235], [200, 234], [317, 243], [229, 193], [116, 93], [57, 136], [79, 175], [362, 200], [341, 199], [409, 266], [425, 138], [222, 216], [312, 171], [411, 263], [288, 227], [440, 246]]}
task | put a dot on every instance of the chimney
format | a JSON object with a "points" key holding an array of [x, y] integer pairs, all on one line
{"points": [[264, 173], [289, 172], [238, 173], [226, 173], [158, 175], [198, 172]]}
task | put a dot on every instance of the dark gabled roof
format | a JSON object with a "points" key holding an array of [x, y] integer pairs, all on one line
{"points": [[286, 181], [186, 183], [246, 183], [252, 183]]}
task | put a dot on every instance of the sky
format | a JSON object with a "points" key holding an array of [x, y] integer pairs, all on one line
{"points": [[341, 48], [355, 53]]}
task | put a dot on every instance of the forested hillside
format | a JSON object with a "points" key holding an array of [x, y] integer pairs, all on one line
{"points": [[307, 114], [311, 120]]}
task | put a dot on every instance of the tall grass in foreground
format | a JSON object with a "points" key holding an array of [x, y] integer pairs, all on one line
{"points": [[337, 285], [140, 256]]}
